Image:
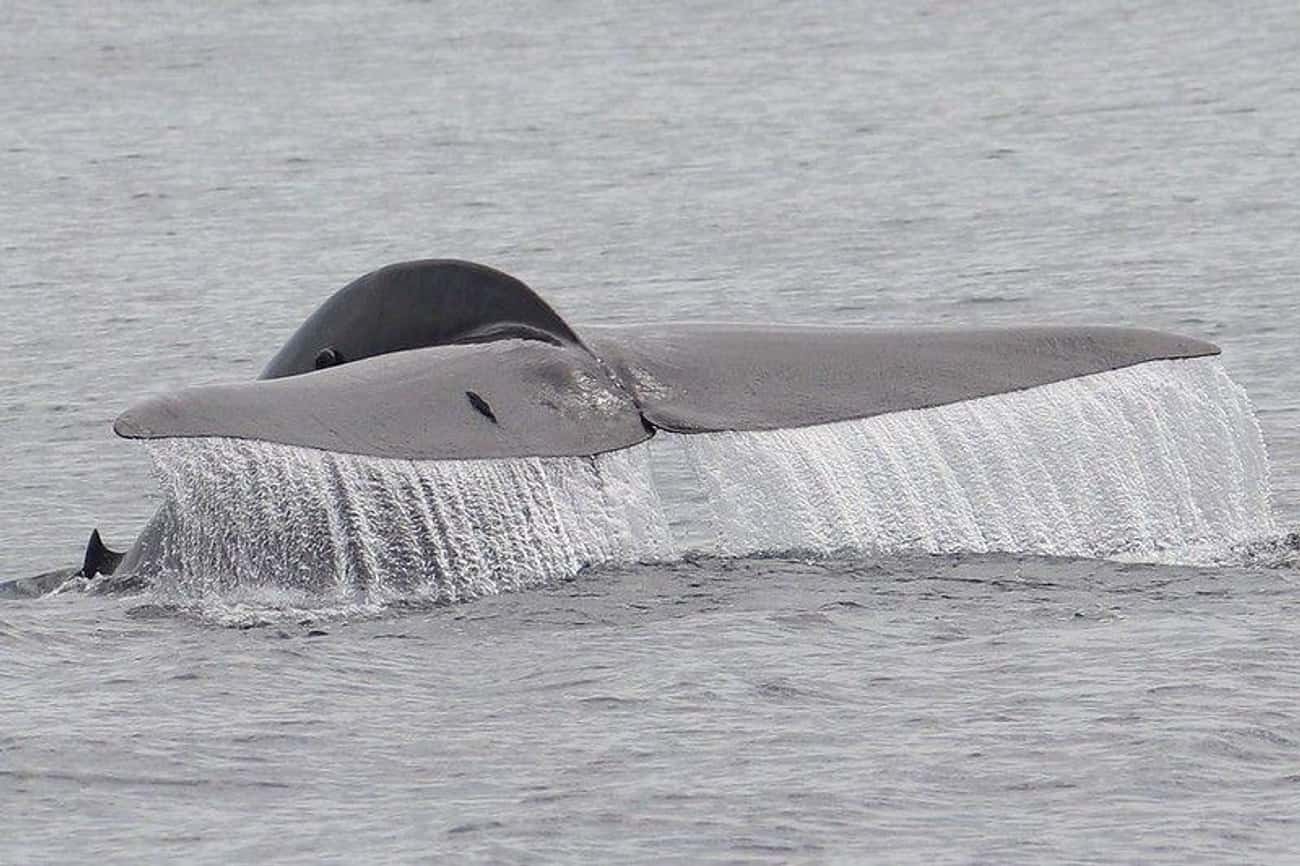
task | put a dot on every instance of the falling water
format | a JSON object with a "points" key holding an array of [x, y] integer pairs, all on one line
{"points": [[1151, 461], [242, 514], [1155, 461]]}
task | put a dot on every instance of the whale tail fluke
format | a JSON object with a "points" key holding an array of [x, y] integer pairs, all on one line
{"points": [[99, 558]]}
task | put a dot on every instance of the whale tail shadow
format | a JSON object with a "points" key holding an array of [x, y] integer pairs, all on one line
{"points": [[99, 559]]}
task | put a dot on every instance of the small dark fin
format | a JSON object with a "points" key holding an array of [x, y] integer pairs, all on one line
{"points": [[481, 405], [99, 559]]}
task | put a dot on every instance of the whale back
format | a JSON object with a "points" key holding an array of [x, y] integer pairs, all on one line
{"points": [[416, 305]]}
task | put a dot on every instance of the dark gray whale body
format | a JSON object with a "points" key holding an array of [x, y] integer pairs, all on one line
{"points": [[450, 360], [414, 305]]}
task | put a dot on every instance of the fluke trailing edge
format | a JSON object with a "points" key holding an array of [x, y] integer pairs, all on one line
{"points": [[450, 360]]}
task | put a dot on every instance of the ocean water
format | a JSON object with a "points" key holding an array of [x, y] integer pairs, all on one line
{"points": [[797, 679]]}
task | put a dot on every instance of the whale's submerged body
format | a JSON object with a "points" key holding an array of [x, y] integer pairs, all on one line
{"points": [[444, 360]]}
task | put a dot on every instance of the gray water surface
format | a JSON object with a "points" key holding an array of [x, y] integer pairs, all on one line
{"points": [[181, 184], [931, 710]]}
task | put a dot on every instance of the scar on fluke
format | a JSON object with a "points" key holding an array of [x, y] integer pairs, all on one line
{"points": [[328, 357], [481, 405]]}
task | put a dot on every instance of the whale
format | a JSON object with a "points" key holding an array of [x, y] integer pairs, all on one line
{"points": [[448, 360], [444, 359]]}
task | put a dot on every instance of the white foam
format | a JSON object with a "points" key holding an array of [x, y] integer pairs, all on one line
{"points": [[1141, 462], [243, 515]]}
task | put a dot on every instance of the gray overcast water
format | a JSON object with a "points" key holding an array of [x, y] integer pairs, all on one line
{"points": [[182, 183]]}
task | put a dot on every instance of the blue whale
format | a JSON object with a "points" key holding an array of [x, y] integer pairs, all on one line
{"points": [[447, 360]]}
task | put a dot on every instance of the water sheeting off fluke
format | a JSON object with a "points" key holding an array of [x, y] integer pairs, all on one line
{"points": [[240, 515], [1163, 460], [1158, 457]]}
